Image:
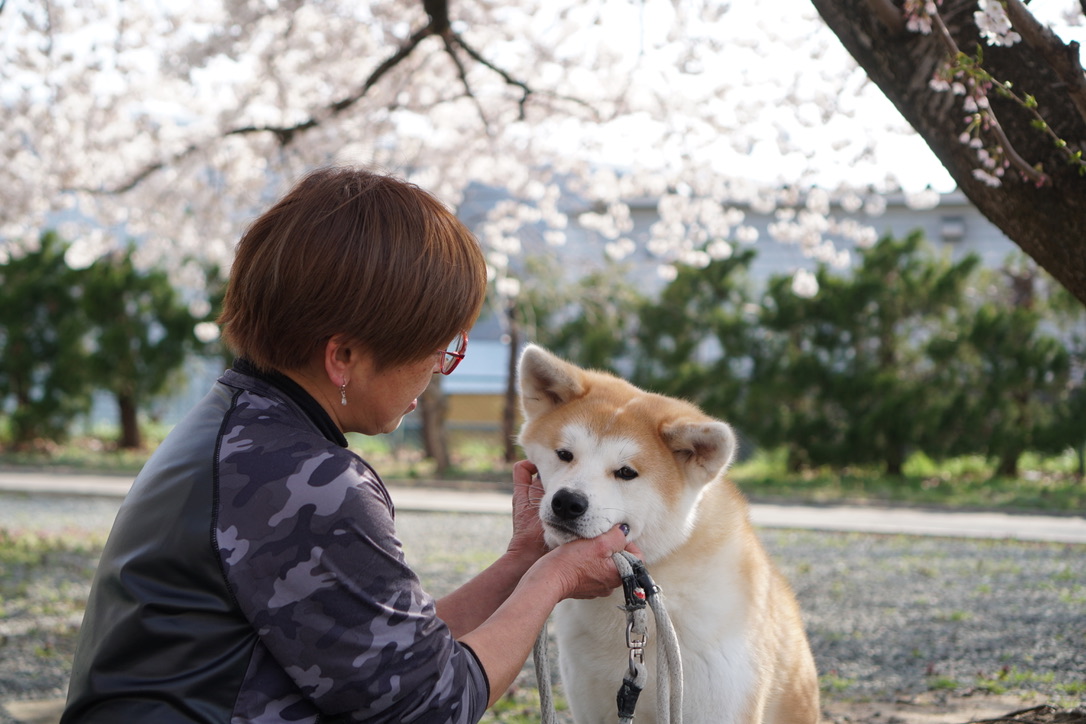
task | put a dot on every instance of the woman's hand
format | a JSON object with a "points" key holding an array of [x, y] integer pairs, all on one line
{"points": [[579, 569], [527, 540], [585, 566]]}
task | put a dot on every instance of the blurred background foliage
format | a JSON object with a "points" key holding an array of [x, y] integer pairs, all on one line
{"points": [[896, 372]]}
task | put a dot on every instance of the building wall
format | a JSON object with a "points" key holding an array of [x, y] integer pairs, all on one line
{"points": [[954, 225]]}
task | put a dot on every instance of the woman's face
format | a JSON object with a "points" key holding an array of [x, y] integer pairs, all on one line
{"points": [[378, 401]]}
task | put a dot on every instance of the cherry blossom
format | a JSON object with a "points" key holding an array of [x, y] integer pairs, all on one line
{"points": [[993, 23], [174, 123]]}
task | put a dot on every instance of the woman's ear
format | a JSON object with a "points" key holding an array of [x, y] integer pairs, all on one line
{"points": [[339, 358]]}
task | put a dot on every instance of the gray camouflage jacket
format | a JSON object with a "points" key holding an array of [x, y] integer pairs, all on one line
{"points": [[253, 574]]}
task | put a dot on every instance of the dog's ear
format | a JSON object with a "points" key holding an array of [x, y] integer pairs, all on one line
{"points": [[707, 446], [546, 381]]}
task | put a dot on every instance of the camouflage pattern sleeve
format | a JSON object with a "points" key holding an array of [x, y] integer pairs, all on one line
{"points": [[306, 537]]}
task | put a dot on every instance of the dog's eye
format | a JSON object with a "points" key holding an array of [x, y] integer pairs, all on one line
{"points": [[626, 473], [564, 455]]}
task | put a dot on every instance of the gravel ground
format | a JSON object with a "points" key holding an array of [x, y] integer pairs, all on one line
{"points": [[891, 618]]}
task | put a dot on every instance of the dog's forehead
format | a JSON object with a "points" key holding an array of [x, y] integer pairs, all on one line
{"points": [[619, 428], [611, 444], [609, 408]]}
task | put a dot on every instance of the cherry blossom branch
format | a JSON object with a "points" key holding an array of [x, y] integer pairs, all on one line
{"points": [[1063, 58], [286, 134], [944, 35], [438, 25], [526, 92], [142, 175], [1020, 164], [461, 71], [1029, 103], [992, 121]]}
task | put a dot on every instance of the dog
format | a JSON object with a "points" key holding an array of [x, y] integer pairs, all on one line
{"points": [[609, 453]]}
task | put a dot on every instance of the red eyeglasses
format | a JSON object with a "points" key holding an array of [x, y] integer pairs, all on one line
{"points": [[451, 355]]}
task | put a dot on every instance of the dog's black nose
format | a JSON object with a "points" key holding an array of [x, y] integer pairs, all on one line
{"points": [[569, 504]]}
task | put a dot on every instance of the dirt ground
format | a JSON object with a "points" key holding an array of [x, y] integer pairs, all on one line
{"points": [[926, 709], [934, 708]]}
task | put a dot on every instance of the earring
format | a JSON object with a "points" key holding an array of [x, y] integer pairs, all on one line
{"points": [[343, 394]]}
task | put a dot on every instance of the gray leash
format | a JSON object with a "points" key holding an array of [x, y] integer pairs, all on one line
{"points": [[540, 655], [639, 591]]}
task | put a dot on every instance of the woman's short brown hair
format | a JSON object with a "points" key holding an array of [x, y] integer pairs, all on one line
{"points": [[352, 252]]}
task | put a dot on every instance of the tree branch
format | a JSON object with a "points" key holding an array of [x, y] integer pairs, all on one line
{"points": [[438, 11], [951, 45], [1063, 58], [1016, 160], [890, 15], [286, 134], [1045, 222], [509, 80], [438, 25], [139, 177], [528, 92], [450, 49], [1020, 164]]}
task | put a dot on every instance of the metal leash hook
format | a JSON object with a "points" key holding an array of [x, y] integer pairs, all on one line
{"points": [[635, 645], [632, 573], [636, 674], [640, 593]]}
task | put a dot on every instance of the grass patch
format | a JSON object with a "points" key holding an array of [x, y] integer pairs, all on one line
{"points": [[1011, 678], [959, 483], [1076, 690], [943, 683], [954, 616], [520, 705], [831, 683], [29, 550], [398, 456], [38, 574], [95, 453]]}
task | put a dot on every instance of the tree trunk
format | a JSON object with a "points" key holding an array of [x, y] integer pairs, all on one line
{"points": [[797, 459], [1008, 464], [435, 442], [130, 428], [895, 461], [1047, 222], [509, 410]]}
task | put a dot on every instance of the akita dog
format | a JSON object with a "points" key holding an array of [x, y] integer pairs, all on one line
{"points": [[609, 453]]}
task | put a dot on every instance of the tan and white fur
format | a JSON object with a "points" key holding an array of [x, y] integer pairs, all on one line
{"points": [[609, 453]]}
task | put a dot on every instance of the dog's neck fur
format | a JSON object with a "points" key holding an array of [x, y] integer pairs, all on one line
{"points": [[721, 512]]}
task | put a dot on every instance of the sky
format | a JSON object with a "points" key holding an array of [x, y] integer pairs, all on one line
{"points": [[774, 40], [771, 44]]}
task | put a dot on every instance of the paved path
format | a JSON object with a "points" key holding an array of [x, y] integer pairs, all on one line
{"points": [[866, 519]]}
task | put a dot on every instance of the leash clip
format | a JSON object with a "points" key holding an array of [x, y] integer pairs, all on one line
{"points": [[635, 642]]}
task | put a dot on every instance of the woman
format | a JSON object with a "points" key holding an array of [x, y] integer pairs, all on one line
{"points": [[253, 573]]}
